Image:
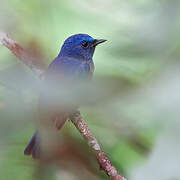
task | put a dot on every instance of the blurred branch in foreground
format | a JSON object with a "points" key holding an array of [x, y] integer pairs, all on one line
{"points": [[39, 67]]}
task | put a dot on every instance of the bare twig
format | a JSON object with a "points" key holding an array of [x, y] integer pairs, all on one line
{"points": [[102, 159], [76, 118], [21, 54]]}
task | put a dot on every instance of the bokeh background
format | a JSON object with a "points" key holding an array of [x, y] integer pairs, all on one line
{"points": [[136, 121]]}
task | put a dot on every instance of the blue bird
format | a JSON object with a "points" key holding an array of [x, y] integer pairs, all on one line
{"points": [[73, 63]]}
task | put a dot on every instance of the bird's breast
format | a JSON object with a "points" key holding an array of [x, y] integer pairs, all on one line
{"points": [[87, 69]]}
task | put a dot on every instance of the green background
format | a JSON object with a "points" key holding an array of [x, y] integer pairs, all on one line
{"points": [[137, 69]]}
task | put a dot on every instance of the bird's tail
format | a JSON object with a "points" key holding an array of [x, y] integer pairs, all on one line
{"points": [[33, 148]]}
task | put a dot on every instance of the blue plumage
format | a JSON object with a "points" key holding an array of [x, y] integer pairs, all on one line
{"points": [[74, 62]]}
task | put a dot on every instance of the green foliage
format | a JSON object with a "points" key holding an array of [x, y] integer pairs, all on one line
{"points": [[143, 43]]}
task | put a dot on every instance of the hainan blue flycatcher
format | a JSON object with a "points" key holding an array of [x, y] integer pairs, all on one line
{"points": [[73, 63]]}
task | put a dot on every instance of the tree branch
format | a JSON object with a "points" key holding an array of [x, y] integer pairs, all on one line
{"points": [[22, 55], [76, 118], [102, 159]]}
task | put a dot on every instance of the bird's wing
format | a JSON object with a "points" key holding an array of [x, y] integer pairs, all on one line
{"points": [[60, 74]]}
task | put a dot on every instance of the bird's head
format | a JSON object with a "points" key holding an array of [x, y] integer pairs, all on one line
{"points": [[80, 46]]}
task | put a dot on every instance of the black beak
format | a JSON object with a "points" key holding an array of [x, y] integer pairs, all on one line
{"points": [[98, 41]]}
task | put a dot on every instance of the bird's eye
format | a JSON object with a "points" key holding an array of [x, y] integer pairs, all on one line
{"points": [[85, 44]]}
